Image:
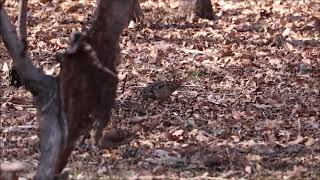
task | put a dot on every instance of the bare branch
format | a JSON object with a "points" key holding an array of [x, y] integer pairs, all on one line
{"points": [[45, 90], [137, 12], [22, 21], [35, 80]]}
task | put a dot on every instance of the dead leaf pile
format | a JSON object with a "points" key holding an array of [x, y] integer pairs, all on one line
{"points": [[250, 107]]}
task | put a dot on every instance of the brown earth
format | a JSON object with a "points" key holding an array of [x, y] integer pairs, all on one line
{"points": [[250, 107]]}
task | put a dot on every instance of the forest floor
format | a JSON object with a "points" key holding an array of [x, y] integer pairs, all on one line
{"points": [[249, 109]]}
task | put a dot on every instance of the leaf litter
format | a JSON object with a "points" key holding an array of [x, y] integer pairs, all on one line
{"points": [[249, 109]]}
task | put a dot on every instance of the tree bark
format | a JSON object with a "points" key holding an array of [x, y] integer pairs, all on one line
{"points": [[45, 94], [88, 80], [22, 21], [199, 9], [14, 77], [83, 94], [137, 12], [203, 9]]}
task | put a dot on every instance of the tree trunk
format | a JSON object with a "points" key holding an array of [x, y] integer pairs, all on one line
{"points": [[88, 73], [83, 94], [198, 8], [14, 77], [203, 9], [137, 12]]}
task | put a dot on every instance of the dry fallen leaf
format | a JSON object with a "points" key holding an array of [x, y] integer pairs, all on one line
{"points": [[251, 103], [178, 132], [298, 140]]}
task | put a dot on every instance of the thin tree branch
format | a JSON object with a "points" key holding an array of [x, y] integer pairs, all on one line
{"points": [[22, 22], [35, 80], [124, 84], [45, 89]]}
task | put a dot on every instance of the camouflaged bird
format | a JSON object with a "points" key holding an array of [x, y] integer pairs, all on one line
{"points": [[118, 137], [161, 89]]}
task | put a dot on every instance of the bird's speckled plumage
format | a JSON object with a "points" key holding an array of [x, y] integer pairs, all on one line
{"points": [[160, 89]]}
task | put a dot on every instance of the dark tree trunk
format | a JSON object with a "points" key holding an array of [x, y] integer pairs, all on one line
{"points": [[14, 77], [22, 21], [88, 80], [203, 9], [199, 9], [137, 12], [84, 93]]}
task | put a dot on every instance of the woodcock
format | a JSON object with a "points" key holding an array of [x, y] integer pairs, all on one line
{"points": [[161, 89]]}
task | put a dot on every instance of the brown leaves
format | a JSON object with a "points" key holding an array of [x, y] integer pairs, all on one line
{"points": [[117, 137], [250, 108], [10, 170]]}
